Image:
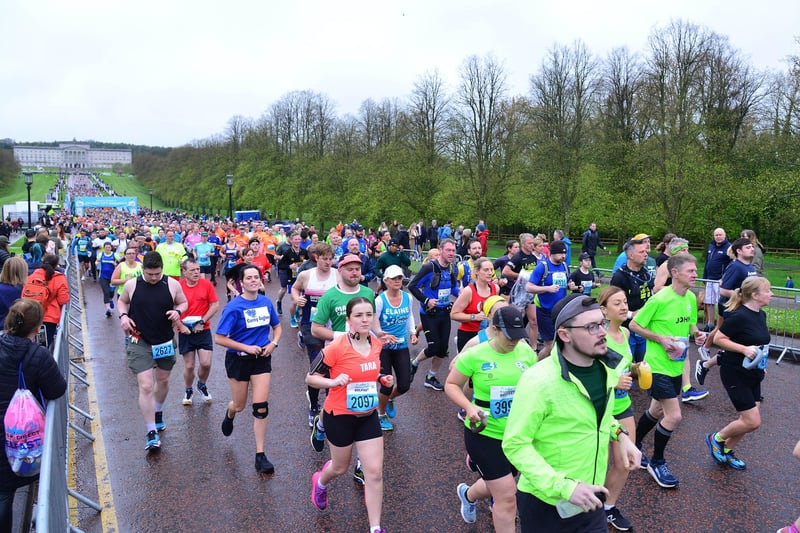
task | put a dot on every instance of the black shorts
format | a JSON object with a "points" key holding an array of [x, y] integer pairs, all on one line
{"points": [[205, 269], [195, 341], [627, 413], [544, 319], [241, 368], [344, 430], [487, 455], [665, 387], [285, 277], [743, 385], [84, 259], [536, 516]]}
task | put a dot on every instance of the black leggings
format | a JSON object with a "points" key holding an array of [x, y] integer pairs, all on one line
{"points": [[536, 516], [437, 333], [399, 360]]}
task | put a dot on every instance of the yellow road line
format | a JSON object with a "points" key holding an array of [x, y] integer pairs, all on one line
{"points": [[105, 497]]}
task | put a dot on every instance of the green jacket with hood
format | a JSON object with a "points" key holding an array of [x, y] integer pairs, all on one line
{"points": [[552, 436]]}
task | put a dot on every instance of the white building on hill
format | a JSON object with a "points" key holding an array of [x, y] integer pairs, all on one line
{"points": [[70, 156]]}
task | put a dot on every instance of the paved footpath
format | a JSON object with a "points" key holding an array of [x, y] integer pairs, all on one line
{"points": [[202, 481]]}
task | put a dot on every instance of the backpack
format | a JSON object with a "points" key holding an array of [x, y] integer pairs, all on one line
{"points": [[36, 289], [436, 279], [24, 426]]}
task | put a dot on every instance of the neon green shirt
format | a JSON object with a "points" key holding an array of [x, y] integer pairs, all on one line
{"points": [[622, 399], [494, 379], [667, 313]]}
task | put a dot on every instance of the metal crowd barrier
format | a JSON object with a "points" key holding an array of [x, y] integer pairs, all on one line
{"points": [[52, 508], [783, 318]]}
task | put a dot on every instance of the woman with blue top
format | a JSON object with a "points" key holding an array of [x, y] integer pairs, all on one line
{"points": [[494, 368], [106, 264], [396, 327], [614, 305], [244, 330], [744, 338]]}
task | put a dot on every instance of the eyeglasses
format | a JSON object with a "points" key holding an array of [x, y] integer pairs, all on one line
{"points": [[593, 328]]}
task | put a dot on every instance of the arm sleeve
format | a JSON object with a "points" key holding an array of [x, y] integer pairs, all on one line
{"points": [[421, 278]]}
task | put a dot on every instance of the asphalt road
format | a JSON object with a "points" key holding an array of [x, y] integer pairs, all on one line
{"points": [[203, 481]]}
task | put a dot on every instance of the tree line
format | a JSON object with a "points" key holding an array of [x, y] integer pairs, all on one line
{"points": [[684, 136]]}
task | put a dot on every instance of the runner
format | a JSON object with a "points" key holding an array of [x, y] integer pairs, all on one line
{"points": [[395, 326], [468, 307], [494, 368], [667, 321], [306, 292], [149, 307], [106, 264], [290, 256], [244, 330], [744, 338], [129, 268], [350, 412], [194, 329]]}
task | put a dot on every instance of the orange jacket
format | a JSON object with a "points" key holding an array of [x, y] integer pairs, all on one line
{"points": [[59, 294]]}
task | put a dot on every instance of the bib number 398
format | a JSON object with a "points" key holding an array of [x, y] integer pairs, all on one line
{"points": [[165, 349], [362, 396]]}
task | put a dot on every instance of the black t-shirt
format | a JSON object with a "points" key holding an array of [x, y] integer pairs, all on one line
{"points": [[638, 285], [521, 261], [579, 278], [660, 258], [746, 327], [291, 256]]}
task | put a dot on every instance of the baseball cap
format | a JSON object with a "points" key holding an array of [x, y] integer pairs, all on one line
{"points": [[392, 271], [509, 320], [558, 247], [583, 256], [640, 237], [393, 242], [350, 258], [571, 306]]}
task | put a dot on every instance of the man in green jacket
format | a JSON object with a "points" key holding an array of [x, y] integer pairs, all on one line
{"points": [[392, 256], [560, 425]]}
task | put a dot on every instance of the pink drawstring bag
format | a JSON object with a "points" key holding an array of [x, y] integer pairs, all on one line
{"points": [[24, 426]]}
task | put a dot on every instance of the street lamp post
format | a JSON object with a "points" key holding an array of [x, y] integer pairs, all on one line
{"points": [[151, 198], [28, 183], [229, 181]]}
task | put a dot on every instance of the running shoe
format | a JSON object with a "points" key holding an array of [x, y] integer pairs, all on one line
{"points": [[204, 391], [644, 462], [734, 462], [263, 466], [700, 372], [617, 520], [153, 441], [432, 383], [160, 424], [391, 411], [704, 354], [227, 424], [317, 435], [414, 368], [187, 396], [715, 449], [108, 313], [280, 308], [693, 395], [385, 424], [293, 321], [313, 410], [468, 508], [358, 472], [319, 496], [660, 472], [300, 343], [111, 303]]}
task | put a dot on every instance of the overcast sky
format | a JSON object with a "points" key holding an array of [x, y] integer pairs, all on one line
{"points": [[171, 71]]}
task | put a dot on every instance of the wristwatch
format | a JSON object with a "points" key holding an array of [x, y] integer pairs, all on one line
{"points": [[472, 316]]}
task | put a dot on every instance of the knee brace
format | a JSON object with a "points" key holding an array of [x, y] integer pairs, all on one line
{"points": [[257, 406]]}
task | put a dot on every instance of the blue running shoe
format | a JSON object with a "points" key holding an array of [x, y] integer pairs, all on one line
{"points": [[734, 462], [317, 435], [391, 411], [468, 508], [644, 462], [693, 395], [385, 424], [660, 472], [293, 321], [715, 449], [153, 441]]}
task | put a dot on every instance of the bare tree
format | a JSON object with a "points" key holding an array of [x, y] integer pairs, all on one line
{"points": [[563, 100], [427, 113]]}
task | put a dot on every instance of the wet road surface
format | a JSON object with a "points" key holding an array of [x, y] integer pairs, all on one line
{"points": [[203, 481]]}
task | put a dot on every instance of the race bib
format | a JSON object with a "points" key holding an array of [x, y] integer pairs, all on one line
{"points": [[256, 318], [500, 399], [443, 295], [587, 287], [165, 349], [560, 279], [362, 396]]}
